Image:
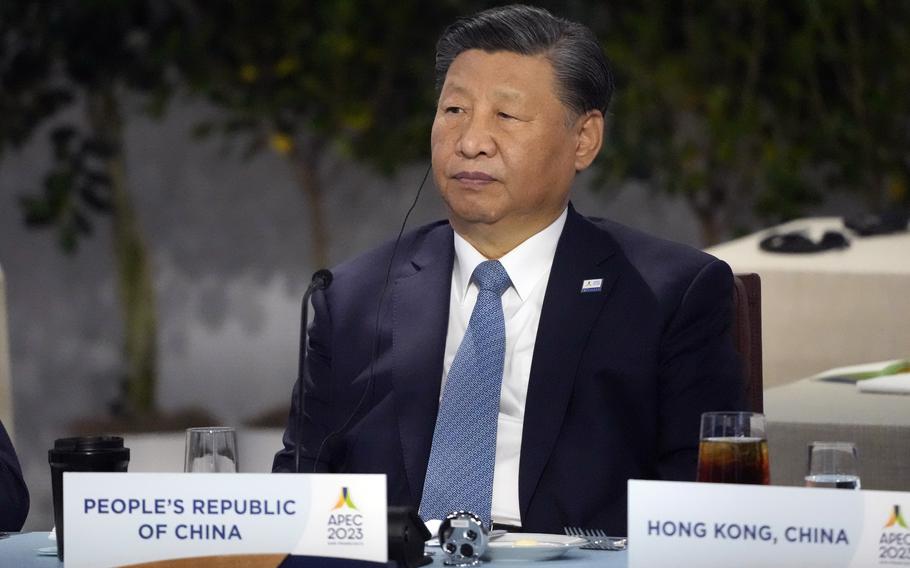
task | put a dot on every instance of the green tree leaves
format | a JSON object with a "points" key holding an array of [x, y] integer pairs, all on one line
{"points": [[741, 105]]}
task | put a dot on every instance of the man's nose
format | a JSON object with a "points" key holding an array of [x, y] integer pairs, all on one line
{"points": [[476, 138]]}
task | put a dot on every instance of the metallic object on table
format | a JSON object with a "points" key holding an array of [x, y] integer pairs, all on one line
{"points": [[598, 539], [463, 539]]}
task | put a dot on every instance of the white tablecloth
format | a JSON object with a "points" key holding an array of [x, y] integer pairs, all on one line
{"points": [[828, 309], [810, 410], [19, 551]]}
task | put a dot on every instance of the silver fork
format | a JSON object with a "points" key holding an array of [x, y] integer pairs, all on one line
{"points": [[598, 539]]}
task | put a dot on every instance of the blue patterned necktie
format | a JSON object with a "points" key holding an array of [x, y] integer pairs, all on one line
{"points": [[463, 455]]}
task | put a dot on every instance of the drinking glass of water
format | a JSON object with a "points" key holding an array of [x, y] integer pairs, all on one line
{"points": [[833, 465], [212, 449]]}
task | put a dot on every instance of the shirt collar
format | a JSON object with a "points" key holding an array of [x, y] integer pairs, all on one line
{"points": [[525, 264]]}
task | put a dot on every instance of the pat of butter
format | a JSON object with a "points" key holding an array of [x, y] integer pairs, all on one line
{"points": [[525, 542]]}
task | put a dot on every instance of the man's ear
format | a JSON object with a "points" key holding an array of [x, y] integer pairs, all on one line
{"points": [[590, 129]]}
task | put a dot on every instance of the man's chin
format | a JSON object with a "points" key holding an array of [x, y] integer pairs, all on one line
{"points": [[473, 218], [472, 213]]}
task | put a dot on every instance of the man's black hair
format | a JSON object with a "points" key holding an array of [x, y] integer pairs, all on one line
{"points": [[581, 69]]}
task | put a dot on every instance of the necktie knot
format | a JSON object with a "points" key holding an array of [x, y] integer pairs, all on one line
{"points": [[492, 276]]}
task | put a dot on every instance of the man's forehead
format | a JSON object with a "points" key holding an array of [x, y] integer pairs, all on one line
{"points": [[505, 74], [456, 86]]}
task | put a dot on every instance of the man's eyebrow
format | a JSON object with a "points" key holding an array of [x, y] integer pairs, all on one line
{"points": [[455, 88], [508, 94]]}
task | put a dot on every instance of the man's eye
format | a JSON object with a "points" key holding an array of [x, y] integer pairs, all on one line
{"points": [[453, 110], [506, 115]]}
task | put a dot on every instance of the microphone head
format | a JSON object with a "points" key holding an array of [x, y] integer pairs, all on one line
{"points": [[322, 278]]}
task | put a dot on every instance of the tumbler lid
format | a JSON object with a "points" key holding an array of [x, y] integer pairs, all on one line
{"points": [[88, 443], [110, 446]]}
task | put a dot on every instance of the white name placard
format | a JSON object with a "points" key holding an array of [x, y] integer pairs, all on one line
{"points": [[709, 525], [115, 519]]}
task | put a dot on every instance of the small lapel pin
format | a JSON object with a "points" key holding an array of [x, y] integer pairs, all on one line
{"points": [[592, 285]]}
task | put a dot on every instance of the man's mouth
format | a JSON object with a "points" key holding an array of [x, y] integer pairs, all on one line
{"points": [[474, 177]]}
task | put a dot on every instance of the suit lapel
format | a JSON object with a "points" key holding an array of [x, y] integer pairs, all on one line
{"points": [[584, 252], [420, 315]]}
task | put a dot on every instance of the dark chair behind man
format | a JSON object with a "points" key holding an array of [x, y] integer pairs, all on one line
{"points": [[747, 336]]}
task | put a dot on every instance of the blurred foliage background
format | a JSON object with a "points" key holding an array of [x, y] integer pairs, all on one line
{"points": [[763, 107], [753, 111]]}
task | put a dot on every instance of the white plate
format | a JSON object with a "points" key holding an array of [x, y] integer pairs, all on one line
{"points": [[532, 546]]}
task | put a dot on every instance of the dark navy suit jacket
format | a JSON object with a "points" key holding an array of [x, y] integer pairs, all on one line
{"points": [[13, 492], [618, 381]]}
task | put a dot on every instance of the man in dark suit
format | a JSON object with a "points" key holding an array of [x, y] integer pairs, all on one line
{"points": [[615, 341], [13, 492]]}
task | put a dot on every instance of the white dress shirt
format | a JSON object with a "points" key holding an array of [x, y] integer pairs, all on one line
{"points": [[528, 266]]}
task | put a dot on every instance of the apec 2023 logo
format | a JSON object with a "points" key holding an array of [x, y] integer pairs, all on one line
{"points": [[894, 542], [345, 522]]}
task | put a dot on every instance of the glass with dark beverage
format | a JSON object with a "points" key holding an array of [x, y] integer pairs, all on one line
{"points": [[733, 448]]}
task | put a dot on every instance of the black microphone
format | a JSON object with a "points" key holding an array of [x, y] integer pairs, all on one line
{"points": [[321, 280]]}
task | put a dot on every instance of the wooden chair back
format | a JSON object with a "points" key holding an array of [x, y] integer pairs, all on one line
{"points": [[747, 335]]}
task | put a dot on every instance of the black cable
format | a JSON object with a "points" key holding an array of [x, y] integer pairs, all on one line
{"points": [[375, 350]]}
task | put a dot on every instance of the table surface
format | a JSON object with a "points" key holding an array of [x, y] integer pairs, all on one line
{"points": [[824, 402], [827, 309], [811, 410], [880, 254], [19, 550]]}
